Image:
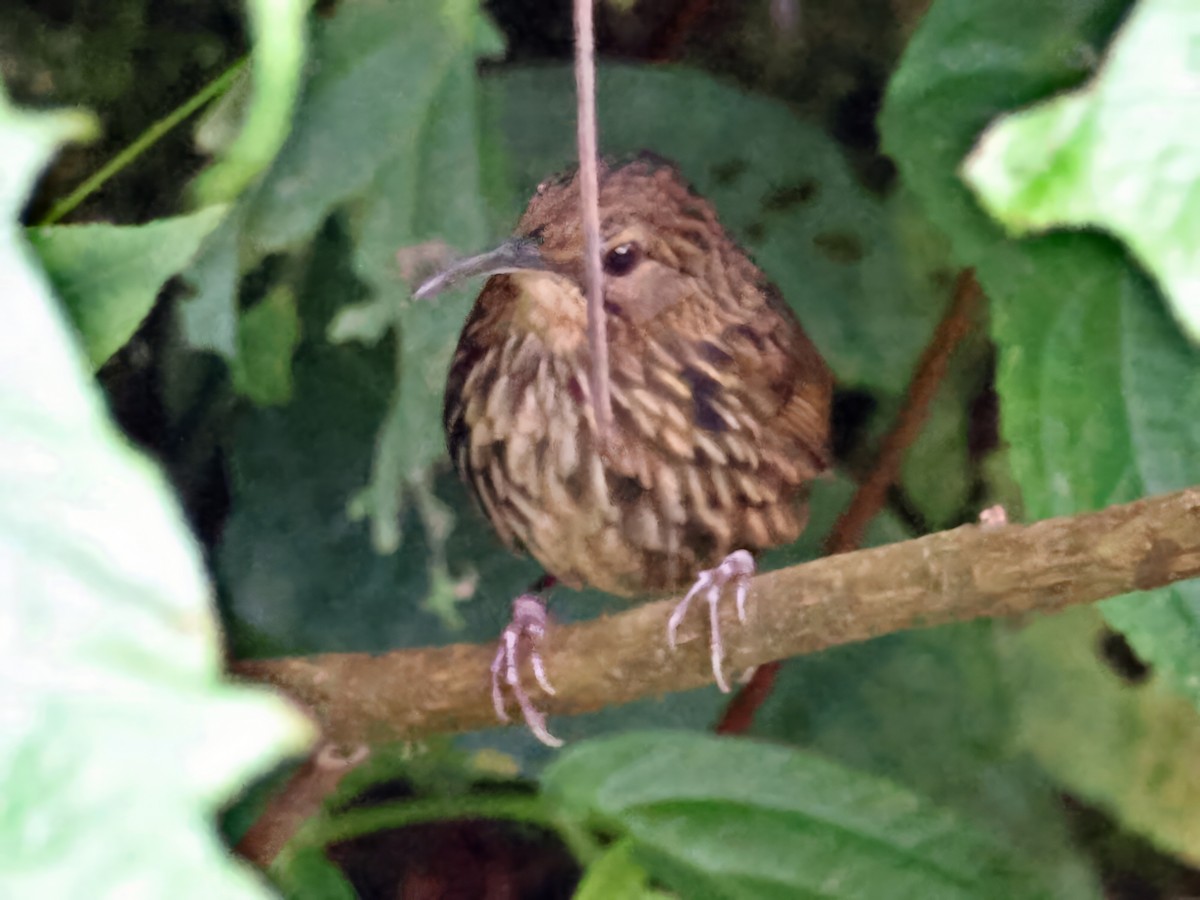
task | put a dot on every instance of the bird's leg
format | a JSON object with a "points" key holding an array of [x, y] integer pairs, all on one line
{"points": [[737, 568], [521, 640]]}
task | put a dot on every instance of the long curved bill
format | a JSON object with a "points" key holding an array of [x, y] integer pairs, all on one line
{"points": [[514, 255]]}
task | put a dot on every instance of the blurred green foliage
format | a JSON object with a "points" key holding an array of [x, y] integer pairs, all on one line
{"points": [[120, 735], [293, 389]]}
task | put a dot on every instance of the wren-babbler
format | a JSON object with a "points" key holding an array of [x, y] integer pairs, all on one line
{"points": [[720, 405]]}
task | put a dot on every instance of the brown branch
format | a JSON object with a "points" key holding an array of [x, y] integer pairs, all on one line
{"points": [[965, 573], [589, 202], [847, 533], [297, 802]]}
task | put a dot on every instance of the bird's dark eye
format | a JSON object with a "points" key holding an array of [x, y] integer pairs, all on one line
{"points": [[622, 259]]}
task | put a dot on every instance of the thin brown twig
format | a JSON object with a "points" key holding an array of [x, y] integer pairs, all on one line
{"points": [[589, 198], [297, 802], [966, 573], [871, 496]]}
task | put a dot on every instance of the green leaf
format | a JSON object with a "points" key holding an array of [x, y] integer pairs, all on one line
{"points": [[1100, 407], [938, 471], [305, 873], [377, 69], [109, 275], [1127, 748], [296, 568], [1099, 399], [434, 190], [390, 119], [930, 709], [267, 337], [209, 317], [277, 31], [1119, 153], [35, 342], [787, 195], [969, 62], [730, 817], [616, 875], [120, 731]]}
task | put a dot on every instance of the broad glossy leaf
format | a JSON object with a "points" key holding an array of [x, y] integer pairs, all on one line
{"points": [[1099, 396], [931, 710], [730, 817], [119, 730], [109, 275], [1120, 153]]}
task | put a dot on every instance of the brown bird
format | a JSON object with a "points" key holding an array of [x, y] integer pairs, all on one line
{"points": [[720, 405]]}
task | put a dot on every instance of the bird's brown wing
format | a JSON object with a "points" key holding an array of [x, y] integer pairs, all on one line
{"points": [[717, 435]]}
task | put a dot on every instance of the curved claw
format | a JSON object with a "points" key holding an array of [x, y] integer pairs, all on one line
{"points": [[521, 638], [738, 567]]}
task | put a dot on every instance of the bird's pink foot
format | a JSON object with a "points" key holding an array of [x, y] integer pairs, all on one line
{"points": [[737, 569], [993, 517], [521, 640]]}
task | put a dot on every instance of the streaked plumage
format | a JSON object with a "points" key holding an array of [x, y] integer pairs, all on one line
{"points": [[720, 401]]}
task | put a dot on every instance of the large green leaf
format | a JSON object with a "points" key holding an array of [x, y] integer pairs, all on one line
{"points": [[377, 67], [939, 473], [728, 817], [1100, 402], [109, 275], [388, 128], [433, 189], [930, 710], [967, 63], [375, 70], [1120, 153], [119, 730]]}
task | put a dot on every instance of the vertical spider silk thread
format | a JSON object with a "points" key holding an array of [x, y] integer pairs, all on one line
{"points": [[589, 194]]}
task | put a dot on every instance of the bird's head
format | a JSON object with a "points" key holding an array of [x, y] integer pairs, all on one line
{"points": [[659, 244]]}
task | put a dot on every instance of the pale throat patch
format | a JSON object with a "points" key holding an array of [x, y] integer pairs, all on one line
{"points": [[551, 307]]}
